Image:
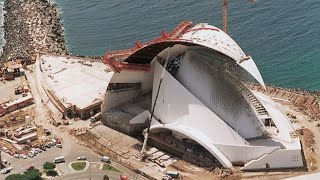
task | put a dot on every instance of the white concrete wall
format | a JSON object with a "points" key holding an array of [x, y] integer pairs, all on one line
{"points": [[176, 104], [278, 159], [279, 118], [245, 153], [218, 95], [195, 134], [115, 98]]}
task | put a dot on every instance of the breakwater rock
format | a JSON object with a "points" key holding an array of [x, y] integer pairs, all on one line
{"points": [[31, 26]]}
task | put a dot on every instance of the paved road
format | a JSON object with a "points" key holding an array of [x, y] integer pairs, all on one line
{"points": [[92, 174]]}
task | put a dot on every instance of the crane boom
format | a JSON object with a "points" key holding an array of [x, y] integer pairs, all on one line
{"points": [[225, 14]]}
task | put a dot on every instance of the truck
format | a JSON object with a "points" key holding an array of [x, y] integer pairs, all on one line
{"points": [[173, 174], [95, 117], [18, 90]]}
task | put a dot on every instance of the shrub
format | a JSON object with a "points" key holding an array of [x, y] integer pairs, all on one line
{"points": [[33, 174], [49, 165], [51, 172], [16, 177]]}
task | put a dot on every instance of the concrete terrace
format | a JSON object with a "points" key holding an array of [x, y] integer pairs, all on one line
{"points": [[75, 82]]}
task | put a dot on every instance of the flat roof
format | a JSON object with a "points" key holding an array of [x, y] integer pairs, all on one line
{"points": [[16, 101], [75, 81]]}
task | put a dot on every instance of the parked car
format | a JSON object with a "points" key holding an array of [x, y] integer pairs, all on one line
{"points": [[59, 145], [31, 155], [32, 152], [30, 167], [35, 151], [5, 171], [48, 145], [16, 155], [105, 159], [23, 156], [43, 148], [82, 158], [4, 161]]}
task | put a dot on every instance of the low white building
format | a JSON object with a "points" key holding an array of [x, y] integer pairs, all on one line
{"points": [[202, 98]]}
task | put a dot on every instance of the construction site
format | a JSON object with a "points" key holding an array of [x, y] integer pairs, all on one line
{"points": [[19, 134], [119, 93]]}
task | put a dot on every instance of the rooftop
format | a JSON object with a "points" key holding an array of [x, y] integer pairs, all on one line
{"points": [[75, 81]]}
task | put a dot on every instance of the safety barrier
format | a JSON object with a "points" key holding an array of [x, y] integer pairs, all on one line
{"points": [[112, 58]]}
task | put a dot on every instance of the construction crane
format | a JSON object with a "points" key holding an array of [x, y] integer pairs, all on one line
{"points": [[225, 14]]}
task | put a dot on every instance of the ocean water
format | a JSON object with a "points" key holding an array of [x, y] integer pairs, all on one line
{"points": [[283, 37]]}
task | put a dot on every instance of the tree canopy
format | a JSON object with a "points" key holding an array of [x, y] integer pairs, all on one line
{"points": [[49, 165], [16, 177], [33, 174]]}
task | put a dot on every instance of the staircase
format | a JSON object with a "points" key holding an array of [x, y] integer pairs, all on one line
{"points": [[256, 104]]}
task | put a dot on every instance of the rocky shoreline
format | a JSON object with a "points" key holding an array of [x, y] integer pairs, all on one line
{"points": [[31, 26]]}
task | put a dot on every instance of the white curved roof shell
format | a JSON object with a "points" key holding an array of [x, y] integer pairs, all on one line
{"points": [[214, 38], [181, 111]]}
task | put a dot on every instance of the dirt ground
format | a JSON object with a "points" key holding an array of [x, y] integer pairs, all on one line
{"points": [[7, 90], [311, 138], [16, 118]]}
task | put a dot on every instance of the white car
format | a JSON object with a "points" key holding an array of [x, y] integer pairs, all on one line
{"points": [[6, 170], [4, 161], [32, 152], [23, 156], [16, 155], [105, 159], [82, 158], [31, 155], [35, 152]]}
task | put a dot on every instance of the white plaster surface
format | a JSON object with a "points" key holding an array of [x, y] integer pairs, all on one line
{"points": [[74, 83]]}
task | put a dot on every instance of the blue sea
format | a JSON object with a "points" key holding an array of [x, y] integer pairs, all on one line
{"points": [[283, 37]]}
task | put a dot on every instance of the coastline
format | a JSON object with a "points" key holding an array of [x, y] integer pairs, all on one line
{"points": [[35, 26], [31, 26]]}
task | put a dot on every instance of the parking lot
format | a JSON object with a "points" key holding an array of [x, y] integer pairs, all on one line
{"points": [[19, 164], [71, 151]]}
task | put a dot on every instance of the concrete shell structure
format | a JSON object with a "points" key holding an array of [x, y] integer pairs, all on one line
{"points": [[202, 98]]}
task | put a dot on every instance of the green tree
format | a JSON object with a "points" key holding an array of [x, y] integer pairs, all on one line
{"points": [[49, 165], [16, 177], [51, 172], [33, 174]]}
